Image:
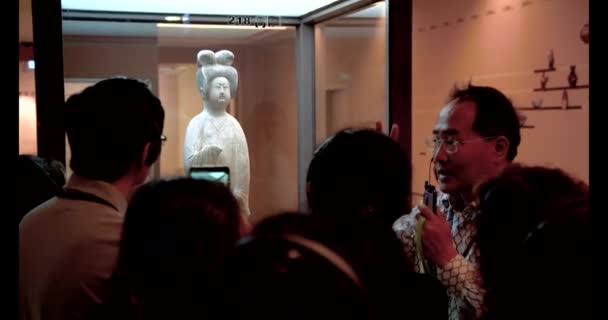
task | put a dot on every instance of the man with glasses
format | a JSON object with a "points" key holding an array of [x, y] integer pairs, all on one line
{"points": [[68, 246], [475, 137]]}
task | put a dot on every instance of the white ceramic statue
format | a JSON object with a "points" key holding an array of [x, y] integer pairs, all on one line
{"points": [[214, 137]]}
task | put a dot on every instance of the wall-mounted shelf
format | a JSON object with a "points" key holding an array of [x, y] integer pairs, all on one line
{"points": [[550, 108], [544, 80], [562, 88], [544, 70]]}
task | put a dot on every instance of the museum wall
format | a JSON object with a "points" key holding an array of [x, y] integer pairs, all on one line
{"points": [[350, 76], [27, 110], [102, 57], [500, 43]]}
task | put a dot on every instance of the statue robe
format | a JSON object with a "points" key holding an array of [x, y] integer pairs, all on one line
{"points": [[219, 140]]}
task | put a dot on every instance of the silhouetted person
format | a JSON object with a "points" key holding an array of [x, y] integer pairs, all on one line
{"points": [[475, 137], [534, 236], [176, 234], [68, 246], [39, 179], [284, 271], [359, 183]]}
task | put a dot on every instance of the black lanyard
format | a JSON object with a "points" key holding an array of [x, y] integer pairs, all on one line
{"points": [[74, 194]]}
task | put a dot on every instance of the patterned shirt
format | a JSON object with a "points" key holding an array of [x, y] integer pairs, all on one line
{"points": [[461, 275]]}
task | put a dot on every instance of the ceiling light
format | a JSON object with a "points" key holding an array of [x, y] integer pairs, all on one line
{"points": [[173, 18]]}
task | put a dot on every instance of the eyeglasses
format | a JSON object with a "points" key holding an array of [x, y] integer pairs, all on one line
{"points": [[434, 143]]}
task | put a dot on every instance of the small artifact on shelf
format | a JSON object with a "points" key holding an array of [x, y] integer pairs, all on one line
{"points": [[543, 81], [565, 102], [551, 60], [572, 77]]}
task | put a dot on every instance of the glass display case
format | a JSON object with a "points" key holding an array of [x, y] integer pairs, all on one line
{"points": [[341, 44]]}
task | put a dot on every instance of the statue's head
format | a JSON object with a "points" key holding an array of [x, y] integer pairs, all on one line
{"points": [[217, 79]]}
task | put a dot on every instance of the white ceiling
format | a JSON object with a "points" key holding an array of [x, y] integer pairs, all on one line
{"points": [[184, 36], [375, 11], [108, 29], [291, 8], [173, 36]]}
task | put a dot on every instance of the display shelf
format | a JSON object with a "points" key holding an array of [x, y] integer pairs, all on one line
{"points": [[550, 108], [544, 70], [584, 86]]}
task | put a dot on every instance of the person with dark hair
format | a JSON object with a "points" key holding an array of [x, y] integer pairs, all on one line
{"points": [[39, 180], [359, 183], [534, 237], [475, 137], [176, 234], [359, 173], [283, 270], [68, 245]]}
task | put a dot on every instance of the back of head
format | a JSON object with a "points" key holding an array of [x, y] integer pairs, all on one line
{"points": [[39, 180], [289, 276], [375, 256], [175, 234], [495, 114], [359, 173], [109, 124], [534, 238]]}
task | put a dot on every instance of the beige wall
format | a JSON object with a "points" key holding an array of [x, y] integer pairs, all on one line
{"points": [[350, 77], [102, 57], [170, 157], [501, 48], [95, 58], [27, 111], [267, 111]]}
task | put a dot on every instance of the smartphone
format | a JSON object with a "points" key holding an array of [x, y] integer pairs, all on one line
{"points": [[214, 174], [429, 197]]}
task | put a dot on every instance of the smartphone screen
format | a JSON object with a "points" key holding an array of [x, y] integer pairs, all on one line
{"points": [[214, 174]]}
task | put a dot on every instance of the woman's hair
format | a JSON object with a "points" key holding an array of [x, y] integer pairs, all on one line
{"points": [[307, 264], [176, 233], [283, 270], [39, 180], [359, 173], [534, 237]]}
